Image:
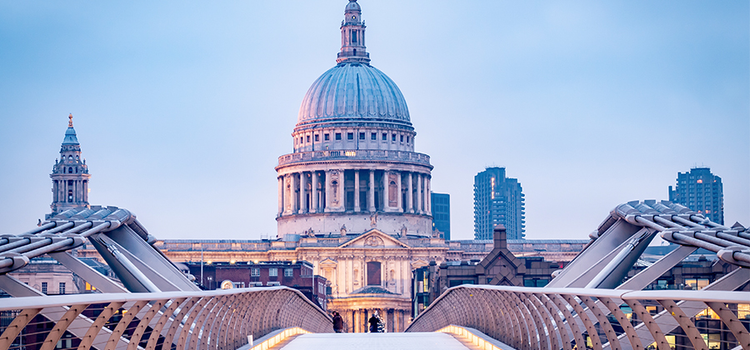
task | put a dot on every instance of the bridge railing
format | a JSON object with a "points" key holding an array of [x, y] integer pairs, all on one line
{"points": [[557, 318], [220, 319]]}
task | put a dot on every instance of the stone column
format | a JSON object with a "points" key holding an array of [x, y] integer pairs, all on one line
{"points": [[419, 194], [399, 198], [386, 205], [327, 188], [371, 192], [348, 321], [356, 321], [341, 191], [303, 192], [410, 197], [396, 324], [314, 193], [427, 195], [356, 191], [292, 194]]}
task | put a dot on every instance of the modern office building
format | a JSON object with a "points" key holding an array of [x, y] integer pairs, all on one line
{"points": [[498, 200], [701, 191], [441, 214]]}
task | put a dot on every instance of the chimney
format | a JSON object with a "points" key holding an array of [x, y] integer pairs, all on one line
{"points": [[500, 237]]}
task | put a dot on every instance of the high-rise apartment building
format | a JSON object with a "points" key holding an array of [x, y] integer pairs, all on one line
{"points": [[701, 191], [441, 213], [498, 200]]}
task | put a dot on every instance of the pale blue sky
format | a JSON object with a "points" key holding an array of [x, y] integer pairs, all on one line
{"points": [[182, 108]]}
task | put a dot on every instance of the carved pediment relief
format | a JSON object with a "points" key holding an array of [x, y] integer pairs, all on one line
{"points": [[419, 263], [328, 263], [374, 239]]}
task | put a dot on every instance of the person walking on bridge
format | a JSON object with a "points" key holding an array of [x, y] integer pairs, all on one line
{"points": [[338, 323], [374, 321]]}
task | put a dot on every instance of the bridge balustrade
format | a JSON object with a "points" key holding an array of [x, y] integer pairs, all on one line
{"points": [[566, 318], [220, 319]]}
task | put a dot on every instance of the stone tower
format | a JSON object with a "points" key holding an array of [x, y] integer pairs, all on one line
{"points": [[70, 175]]}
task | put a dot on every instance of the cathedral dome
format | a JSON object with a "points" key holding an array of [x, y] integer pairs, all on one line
{"points": [[353, 91]]}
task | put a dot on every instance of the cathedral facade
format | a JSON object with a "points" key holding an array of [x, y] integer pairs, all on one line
{"points": [[354, 196]]}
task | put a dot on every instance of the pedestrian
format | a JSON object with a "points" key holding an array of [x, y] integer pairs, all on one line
{"points": [[338, 323], [374, 322]]}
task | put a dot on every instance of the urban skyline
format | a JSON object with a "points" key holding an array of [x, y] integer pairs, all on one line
{"points": [[184, 109]]}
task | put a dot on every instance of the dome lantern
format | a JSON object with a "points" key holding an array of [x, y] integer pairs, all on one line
{"points": [[353, 36]]}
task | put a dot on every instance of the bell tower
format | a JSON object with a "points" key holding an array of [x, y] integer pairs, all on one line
{"points": [[353, 36], [70, 175]]}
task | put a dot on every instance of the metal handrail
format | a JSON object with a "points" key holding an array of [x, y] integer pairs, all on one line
{"points": [[217, 319], [530, 314]]}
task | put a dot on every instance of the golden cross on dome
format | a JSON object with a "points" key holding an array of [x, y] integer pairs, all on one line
{"points": [[70, 122]]}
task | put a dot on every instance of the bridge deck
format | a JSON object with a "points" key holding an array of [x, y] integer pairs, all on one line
{"points": [[366, 341]]}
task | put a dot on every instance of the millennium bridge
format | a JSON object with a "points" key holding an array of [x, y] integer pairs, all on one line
{"points": [[588, 305]]}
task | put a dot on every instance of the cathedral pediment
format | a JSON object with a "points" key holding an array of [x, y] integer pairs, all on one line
{"points": [[328, 263], [374, 239]]}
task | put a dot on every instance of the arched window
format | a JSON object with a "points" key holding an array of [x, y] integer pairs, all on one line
{"points": [[70, 157], [70, 170]]}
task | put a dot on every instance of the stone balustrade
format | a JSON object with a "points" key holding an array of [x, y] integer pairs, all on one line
{"points": [[363, 155]]}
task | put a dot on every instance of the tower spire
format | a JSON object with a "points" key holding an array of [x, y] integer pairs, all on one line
{"points": [[70, 176], [353, 36]]}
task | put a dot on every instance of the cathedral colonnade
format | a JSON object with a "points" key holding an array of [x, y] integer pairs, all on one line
{"points": [[355, 321], [354, 191]]}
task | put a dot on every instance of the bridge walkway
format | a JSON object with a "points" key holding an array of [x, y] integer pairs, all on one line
{"points": [[367, 341]]}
